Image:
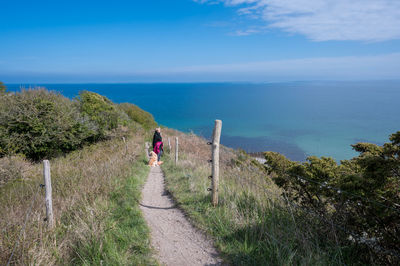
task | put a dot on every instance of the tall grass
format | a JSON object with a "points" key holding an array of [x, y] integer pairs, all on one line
{"points": [[253, 224], [120, 235], [95, 194]]}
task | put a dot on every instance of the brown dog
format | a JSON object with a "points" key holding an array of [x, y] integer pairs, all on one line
{"points": [[153, 159]]}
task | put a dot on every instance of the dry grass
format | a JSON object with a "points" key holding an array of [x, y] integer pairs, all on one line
{"points": [[13, 168], [239, 172], [81, 181]]}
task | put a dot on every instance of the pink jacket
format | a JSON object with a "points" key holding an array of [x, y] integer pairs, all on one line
{"points": [[158, 147]]}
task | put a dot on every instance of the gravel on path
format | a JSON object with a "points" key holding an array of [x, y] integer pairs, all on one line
{"points": [[176, 241]]}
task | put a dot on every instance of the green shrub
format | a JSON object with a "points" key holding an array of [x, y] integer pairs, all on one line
{"points": [[39, 123], [360, 194], [102, 112], [3, 88], [139, 115]]}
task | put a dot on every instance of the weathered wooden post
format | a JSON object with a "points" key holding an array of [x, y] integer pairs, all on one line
{"points": [[169, 144], [48, 194], [146, 150], [176, 149], [215, 161], [126, 146]]}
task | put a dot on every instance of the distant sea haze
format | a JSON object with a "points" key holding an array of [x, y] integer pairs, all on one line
{"points": [[297, 119]]}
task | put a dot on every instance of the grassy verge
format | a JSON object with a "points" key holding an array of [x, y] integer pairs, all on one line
{"points": [[121, 236], [95, 198], [252, 224]]}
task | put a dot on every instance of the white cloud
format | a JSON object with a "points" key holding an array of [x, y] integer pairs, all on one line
{"points": [[324, 20], [245, 32], [218, 24]]}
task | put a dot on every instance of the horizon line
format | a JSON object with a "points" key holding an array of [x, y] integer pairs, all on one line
{"points": [[207, 82]]}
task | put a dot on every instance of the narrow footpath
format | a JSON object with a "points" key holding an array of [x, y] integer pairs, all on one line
{"points": [[176, 241]]}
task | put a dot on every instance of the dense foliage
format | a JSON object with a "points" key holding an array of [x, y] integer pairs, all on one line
{"points": [[359, 196], [102, 112], [41, 124], [139, 115]]}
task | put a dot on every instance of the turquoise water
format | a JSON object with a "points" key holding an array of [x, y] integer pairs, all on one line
{"points": [[297, 119]]}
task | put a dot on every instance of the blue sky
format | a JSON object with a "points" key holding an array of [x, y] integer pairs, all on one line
{"points": [[199, 40]]}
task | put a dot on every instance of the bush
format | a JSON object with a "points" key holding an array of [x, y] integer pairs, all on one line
{"points": [[138, 115], [360, 194], [3, 88], [39, 123], [102, 112]]}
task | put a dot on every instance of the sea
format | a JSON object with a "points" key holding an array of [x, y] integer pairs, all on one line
{"points": [[297, 119]]}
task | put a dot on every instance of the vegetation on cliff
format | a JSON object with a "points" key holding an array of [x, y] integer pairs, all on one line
{"points": [[360, 196], [3, 88], [139, 115], [252, 224], [96, 182], [284, 212], [38, 123]]}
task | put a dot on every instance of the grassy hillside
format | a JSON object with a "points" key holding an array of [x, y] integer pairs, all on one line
{"points": [[96, 181], [254, 224], [95, 197]]}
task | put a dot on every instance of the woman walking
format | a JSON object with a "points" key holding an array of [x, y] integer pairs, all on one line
{"points": [[158, 146]]}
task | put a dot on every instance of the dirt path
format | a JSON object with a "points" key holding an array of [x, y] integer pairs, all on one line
{"points": [[172, 236]]}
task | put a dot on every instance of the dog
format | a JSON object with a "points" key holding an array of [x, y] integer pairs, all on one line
{"points": [[153, 159]]}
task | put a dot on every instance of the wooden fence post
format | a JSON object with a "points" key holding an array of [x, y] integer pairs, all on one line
{"points": [[176, 149], [215, 161], [48, 195], [146, 150], [169, 144], [126, 146]]}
